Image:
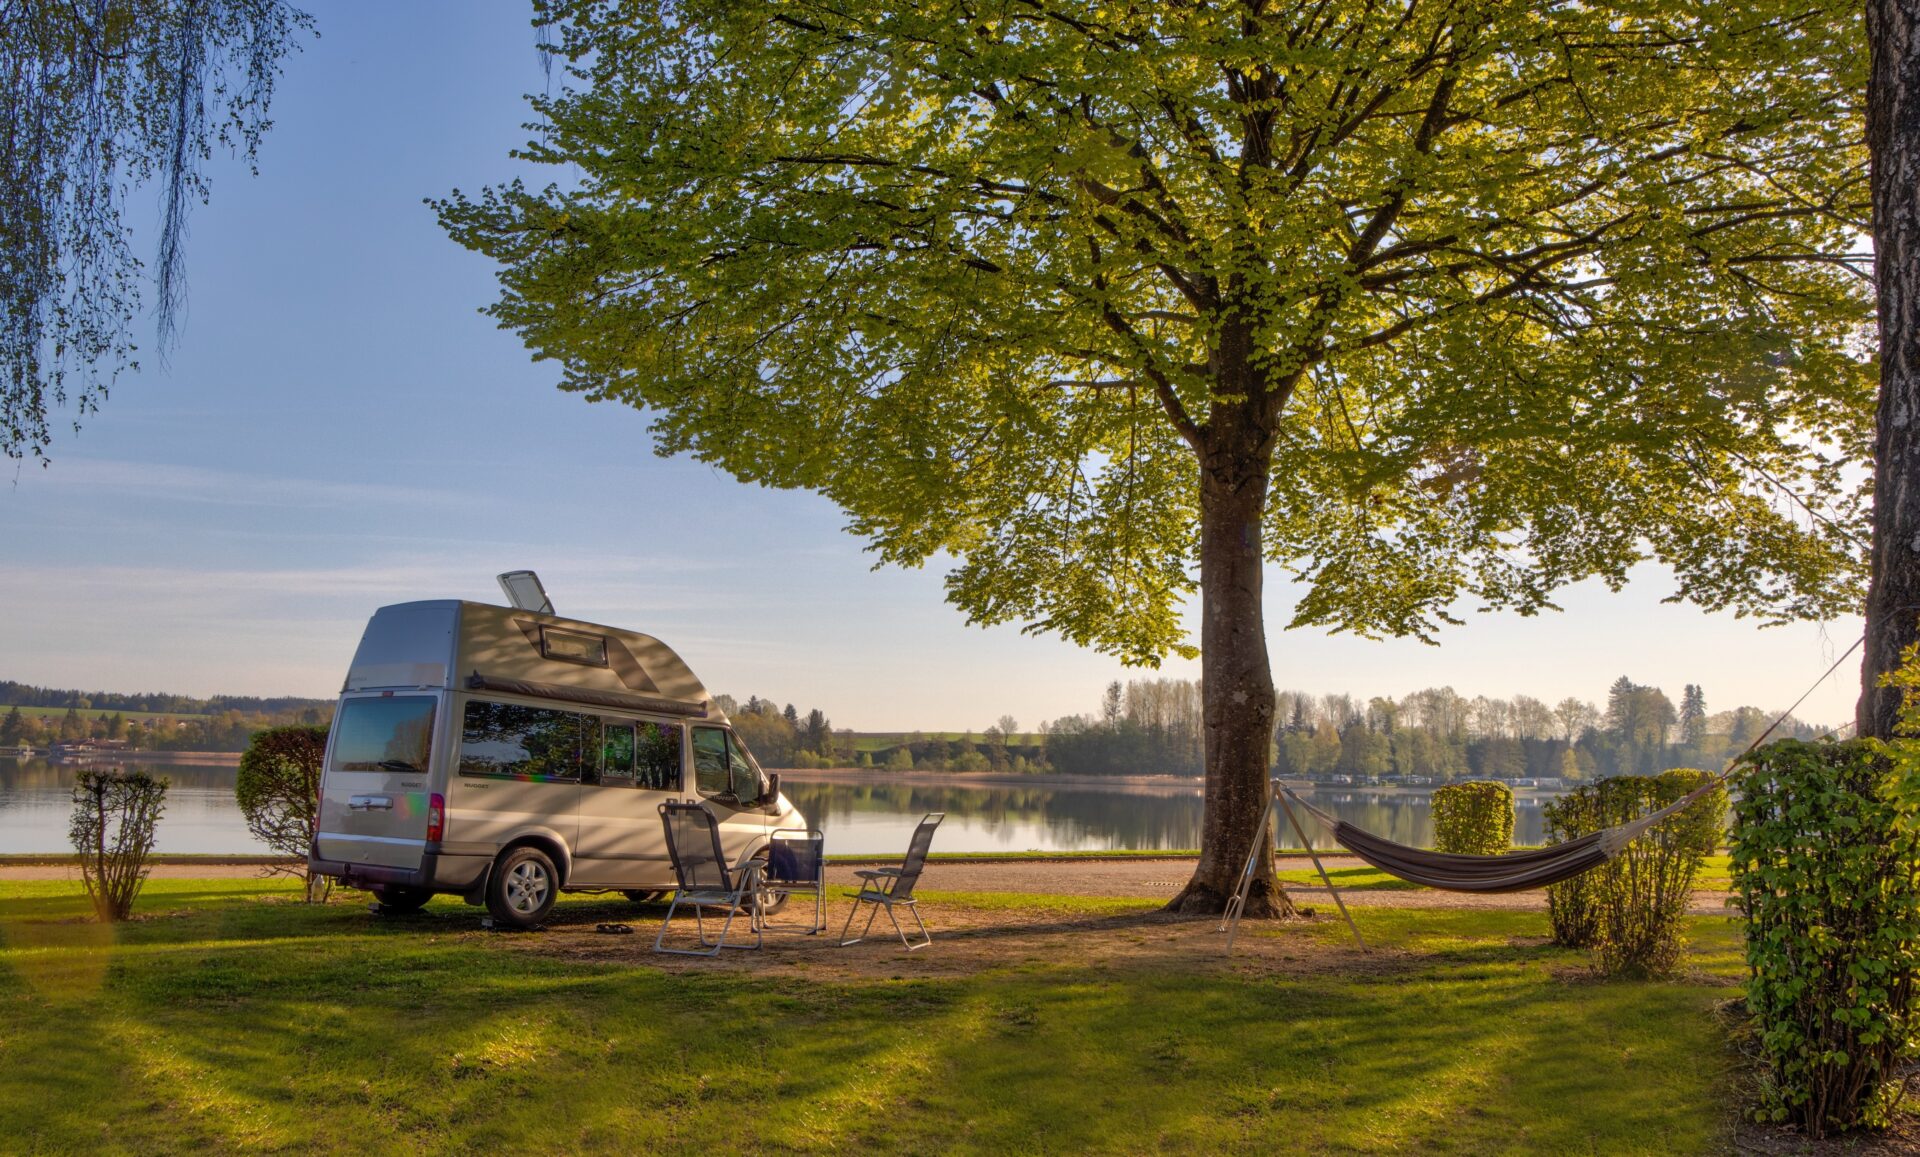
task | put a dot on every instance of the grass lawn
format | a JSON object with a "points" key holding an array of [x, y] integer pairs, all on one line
{"points": [[228, 1017]]}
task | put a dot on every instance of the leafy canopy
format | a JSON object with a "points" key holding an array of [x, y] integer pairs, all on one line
{"points": [[1507, 294]]}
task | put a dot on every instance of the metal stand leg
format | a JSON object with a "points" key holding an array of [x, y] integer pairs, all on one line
{"points": [[1280, 797], [1230, 918]]}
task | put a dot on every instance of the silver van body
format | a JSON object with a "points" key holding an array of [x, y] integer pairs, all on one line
{"points": [[465, 731]]}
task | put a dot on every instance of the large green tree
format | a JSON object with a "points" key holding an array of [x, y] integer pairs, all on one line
{"points": [[1108, 302]]}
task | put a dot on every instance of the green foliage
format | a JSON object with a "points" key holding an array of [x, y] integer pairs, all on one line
{"points": [[112, 828], [1504, 296], [1473, 818], [100, 99], [1573, 906], [1643, 892], [1826, 864], [278, 790], [1630, 910]]}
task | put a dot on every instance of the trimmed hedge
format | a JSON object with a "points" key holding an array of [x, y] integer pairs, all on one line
{"points": [[1473, 818], [1631, 910], [1826, 865]]}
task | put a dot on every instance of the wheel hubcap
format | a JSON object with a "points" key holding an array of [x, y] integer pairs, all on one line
{"points": [[527, 886]]}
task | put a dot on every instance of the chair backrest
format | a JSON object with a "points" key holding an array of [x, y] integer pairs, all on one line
{"points": [[794, 856], [693, 843], [916, 856]]}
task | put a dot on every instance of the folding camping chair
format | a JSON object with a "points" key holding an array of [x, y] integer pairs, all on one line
{"points": [[898, 888], [705, 880], [797, 866]]}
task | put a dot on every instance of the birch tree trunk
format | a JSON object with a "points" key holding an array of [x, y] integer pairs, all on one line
{"points": [[1893, 136]]}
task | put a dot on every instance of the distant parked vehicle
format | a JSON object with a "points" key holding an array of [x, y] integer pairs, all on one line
{"points": [[506, 755]]}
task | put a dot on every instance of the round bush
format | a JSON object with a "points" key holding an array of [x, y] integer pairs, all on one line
{"points": [[278, 790], [1473, 818]]}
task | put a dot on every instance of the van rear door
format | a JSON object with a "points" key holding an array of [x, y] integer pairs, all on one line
{"points": [[373, 801]]}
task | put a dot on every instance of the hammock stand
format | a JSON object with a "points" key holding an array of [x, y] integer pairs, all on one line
{"points": [[1511, 872]]}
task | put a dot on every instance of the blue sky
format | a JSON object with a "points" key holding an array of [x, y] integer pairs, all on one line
{"points": [[339, 428]]}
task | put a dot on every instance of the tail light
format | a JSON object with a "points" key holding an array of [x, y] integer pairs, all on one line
{"points": [[436, 817]]}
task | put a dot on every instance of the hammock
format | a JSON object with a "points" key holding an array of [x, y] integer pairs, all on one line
{"points": [[1511, 872]]}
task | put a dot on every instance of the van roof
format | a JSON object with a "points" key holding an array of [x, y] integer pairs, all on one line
{"points": [[464, 645]]}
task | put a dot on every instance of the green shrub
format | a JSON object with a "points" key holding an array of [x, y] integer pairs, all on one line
{"points": [[1573, 906], [1643, 892], [1631, 910], [1826, 865], [278, 790], [1473, 818], [114, 817]]}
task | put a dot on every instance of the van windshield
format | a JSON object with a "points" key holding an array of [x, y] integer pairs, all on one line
{"points": [[384, 734]]}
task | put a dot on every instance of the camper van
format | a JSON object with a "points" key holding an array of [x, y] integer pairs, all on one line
{"points": [[508, 755]]}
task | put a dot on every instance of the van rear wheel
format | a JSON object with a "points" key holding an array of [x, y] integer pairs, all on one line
{"points": [[398, 901], [522, 888]]}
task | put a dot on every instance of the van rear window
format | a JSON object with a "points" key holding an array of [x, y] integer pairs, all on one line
{"points": [[386, 734]]}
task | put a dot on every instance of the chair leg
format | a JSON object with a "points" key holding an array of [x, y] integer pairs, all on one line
{"points": [[700, 924], [851, 913], [926, 937], [866, 929]]}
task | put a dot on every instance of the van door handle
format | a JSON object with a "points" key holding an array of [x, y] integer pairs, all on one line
{"points": [[370, 802]]}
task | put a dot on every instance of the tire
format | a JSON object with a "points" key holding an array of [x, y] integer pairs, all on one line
{"points": [[522, 887], [398, 901], [772, 900], [642, 896]]}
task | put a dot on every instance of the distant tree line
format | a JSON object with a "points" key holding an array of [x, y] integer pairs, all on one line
{"points": [[155, 702], [228, 730], [1155, 725], [782, 737]]}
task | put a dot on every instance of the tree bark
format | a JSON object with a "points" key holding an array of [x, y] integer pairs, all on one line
{"points": [[1893, 140], [1236, 681]]}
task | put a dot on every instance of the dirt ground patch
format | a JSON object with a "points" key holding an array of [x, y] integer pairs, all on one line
{"points": [[967, 940]]}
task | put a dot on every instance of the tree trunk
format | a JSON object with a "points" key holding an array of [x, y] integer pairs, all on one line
{"points": [[1893, 138], [1236, 681]]}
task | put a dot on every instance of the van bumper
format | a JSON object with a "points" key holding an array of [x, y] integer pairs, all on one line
{"points": [[438, 872]]}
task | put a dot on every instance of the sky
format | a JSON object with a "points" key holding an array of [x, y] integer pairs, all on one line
{"points": [[339, 428]]}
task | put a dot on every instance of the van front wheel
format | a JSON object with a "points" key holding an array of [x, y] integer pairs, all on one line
{"points": [[522, 888]]}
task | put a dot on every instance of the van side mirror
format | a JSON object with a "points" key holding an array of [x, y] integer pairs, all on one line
{"points": [[773, 788]]}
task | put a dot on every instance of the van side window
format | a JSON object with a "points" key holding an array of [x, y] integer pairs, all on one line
{"points": [[710, 761], [616, 753], [534, 743], [657, 757]]}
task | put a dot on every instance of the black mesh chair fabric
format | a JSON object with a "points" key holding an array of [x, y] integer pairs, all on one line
{"points": [[705, 879], [888, 887], [693, 843]]}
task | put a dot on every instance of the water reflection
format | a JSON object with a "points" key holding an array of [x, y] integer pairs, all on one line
{"points": [[859, 817]]}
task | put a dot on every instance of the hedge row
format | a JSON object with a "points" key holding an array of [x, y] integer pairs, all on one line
{"points": [[1473, 818], [1826, 865]]}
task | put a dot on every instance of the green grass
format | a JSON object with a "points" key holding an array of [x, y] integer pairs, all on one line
{"points": [[228, 1018]]}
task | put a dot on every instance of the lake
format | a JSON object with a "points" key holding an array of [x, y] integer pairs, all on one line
{"points": [[866, 816]]}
